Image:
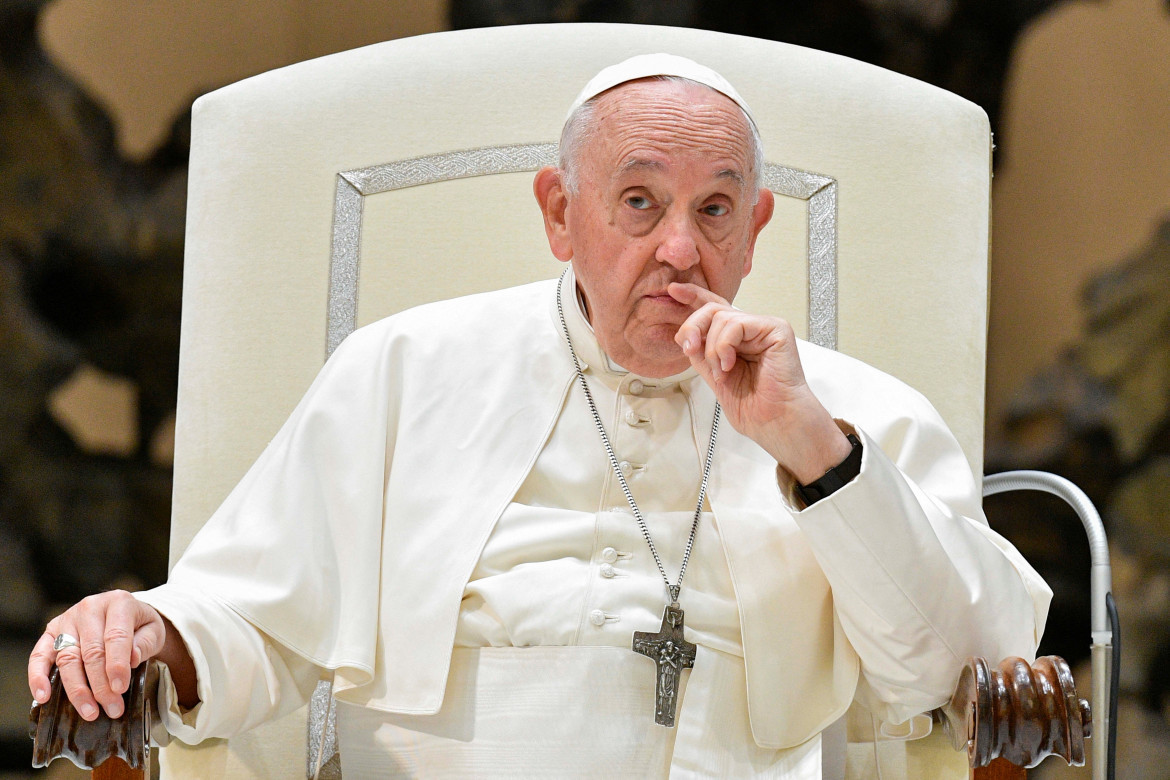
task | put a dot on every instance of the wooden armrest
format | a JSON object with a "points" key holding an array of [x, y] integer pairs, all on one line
{"points": [[114, 748], [1017, 712]]}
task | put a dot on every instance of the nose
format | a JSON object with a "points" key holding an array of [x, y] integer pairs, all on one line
{"points": [[676, 243]]}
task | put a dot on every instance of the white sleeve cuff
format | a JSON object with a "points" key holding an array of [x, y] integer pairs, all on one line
{"points": [[243, 677]]}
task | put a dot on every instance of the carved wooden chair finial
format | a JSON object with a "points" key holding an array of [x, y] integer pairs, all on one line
{"points": [[1019, 712], [115, 748]]}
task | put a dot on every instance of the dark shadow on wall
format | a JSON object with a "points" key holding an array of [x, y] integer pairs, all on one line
{"points": [[1100, 416], [90, 280], [960, 45]]}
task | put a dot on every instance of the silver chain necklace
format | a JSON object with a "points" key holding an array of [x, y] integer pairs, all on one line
{"points": [[667, 647]]}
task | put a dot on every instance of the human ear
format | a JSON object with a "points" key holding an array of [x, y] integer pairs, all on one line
{"points": [[761, 216], [549, 189]]}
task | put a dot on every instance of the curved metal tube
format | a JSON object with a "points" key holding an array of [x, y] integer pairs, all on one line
{"points": [[1100, 585]]}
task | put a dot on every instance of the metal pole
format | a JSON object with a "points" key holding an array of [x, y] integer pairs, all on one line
{"points": [[1100, 584]]}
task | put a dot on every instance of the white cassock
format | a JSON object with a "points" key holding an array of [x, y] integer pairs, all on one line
{"points": [[438, 524]]}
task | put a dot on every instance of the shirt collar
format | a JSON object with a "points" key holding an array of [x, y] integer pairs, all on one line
{"points": [[589, 352]]}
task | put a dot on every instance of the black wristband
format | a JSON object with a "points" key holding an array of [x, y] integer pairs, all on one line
{"points": [[836, 477]]}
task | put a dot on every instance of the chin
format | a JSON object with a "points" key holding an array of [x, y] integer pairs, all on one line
{"points": [[658, 360]]}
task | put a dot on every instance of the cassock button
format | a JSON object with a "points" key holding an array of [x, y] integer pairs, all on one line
{"points": [[632, 418], [597, 617], [609, 555], [606, 571], [625, 467], [636, 386]]}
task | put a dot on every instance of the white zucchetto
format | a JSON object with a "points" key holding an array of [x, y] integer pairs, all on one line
{"points": [[646, 65]]}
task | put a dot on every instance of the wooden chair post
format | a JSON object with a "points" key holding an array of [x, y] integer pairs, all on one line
{"points": [[115, 768], [999, 769]]}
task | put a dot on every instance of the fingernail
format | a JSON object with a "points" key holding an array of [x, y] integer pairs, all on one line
{"points": [[687, 345], [115, 709], [40, 695], [88, 712]]}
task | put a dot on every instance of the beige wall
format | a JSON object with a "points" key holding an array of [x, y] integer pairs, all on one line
{"points": [[145, 59], [1085, 177]]}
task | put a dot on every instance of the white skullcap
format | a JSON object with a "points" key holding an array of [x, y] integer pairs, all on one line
{"points": [[647, 65]]}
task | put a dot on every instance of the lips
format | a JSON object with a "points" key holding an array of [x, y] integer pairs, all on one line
{"points": [[659, 294]]}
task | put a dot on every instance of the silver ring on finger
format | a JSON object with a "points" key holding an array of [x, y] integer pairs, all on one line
{"points": [[63, 640]]}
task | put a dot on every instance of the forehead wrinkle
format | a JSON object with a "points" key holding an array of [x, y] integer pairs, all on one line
{"points": [[665, 114], [672, 129], [672, 138], [661, 97], [637, 147], [647, 127], [643, 153]]}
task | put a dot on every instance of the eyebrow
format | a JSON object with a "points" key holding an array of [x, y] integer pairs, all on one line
{"points": [[641, 163], [734, 175], [637, 164]]}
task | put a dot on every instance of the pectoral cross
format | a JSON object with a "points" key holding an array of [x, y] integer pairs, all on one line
{"points": [[671, 653]]}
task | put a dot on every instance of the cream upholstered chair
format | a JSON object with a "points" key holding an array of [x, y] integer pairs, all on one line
{"points": [[331, 193]]}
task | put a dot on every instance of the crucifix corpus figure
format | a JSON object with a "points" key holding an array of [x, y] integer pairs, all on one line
{"points": [[672, 654]]}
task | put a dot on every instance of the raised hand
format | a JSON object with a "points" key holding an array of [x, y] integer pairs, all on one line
{"points": [[751, 363]]}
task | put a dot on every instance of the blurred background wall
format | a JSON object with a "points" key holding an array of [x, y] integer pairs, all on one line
{"points": [[143, 61], [94, 97]]}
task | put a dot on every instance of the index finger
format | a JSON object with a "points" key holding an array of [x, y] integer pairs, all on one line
{"points": [[693, 295], [40, 663]]}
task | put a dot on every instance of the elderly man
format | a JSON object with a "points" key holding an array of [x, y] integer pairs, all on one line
{"points": [[519, 535]]}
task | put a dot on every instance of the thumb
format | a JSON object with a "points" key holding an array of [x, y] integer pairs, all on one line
{"points": [[149, 636], [139, 653]]}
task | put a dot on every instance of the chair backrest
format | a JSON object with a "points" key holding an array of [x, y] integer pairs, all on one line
{"points": [[349, 187]]}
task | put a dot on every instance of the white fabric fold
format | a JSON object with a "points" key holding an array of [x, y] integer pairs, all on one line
{"points": [[541, 695]]}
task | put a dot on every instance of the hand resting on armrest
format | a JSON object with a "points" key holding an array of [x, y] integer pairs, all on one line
{"points": [[113, 632]]}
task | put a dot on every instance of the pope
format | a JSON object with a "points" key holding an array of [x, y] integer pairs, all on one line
{"points": [[825, 548]]}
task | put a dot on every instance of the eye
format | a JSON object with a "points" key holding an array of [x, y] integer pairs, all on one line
{"points": [[715, 209], [639, 202]]}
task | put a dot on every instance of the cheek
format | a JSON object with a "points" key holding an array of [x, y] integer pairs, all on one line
{"points": [[731, 245], [727, 267], [727, 236], [632, 223]]}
